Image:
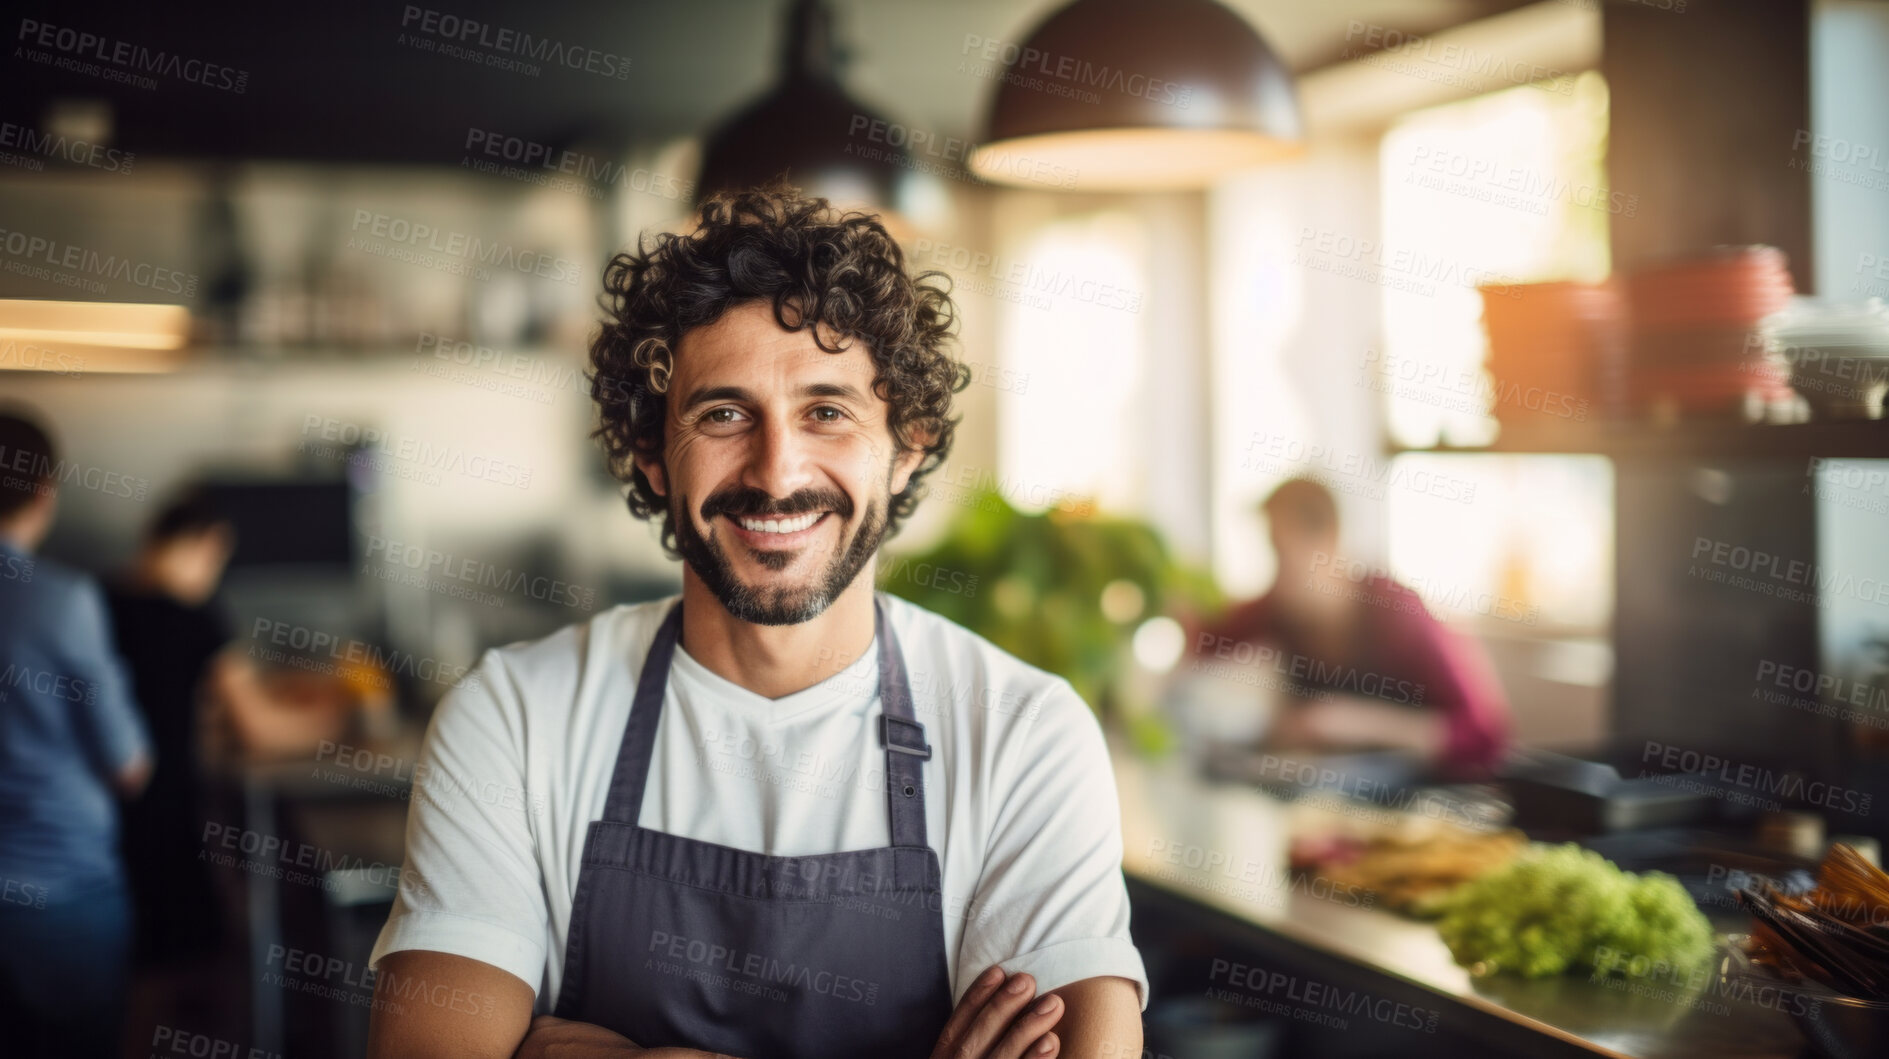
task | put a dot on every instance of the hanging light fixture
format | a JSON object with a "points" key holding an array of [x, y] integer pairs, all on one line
{"points": [[1129, 95], [806, 128]]}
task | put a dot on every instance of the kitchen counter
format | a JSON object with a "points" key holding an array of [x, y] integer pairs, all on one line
{"points": [[1215, 855]]}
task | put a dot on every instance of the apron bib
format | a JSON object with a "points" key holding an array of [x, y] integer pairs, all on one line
{"points": [[676, 942]]}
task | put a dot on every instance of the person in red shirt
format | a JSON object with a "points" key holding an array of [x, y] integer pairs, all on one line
{"points": [[1362, 663]]}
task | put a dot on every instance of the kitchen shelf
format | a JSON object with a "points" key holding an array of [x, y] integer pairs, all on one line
{"points": [[1694, 441]]}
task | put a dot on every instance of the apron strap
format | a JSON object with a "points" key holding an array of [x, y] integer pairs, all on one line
{"points": [[625, 802], [902, 736]]}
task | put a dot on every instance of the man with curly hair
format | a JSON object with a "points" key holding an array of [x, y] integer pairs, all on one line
{"points": [[780, 814]]}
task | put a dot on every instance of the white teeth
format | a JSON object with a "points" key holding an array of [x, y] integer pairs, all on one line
{"points": [[783, 525]]}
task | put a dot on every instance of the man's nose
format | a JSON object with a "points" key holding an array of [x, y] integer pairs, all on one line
{"points": [[778, 464]]}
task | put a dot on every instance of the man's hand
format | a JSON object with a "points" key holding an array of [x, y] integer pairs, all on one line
{"points": [[986, 1023]]}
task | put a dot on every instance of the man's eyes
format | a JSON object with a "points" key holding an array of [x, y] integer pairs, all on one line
{"points": [[825, 413]]}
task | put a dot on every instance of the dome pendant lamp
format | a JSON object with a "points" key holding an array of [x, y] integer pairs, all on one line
{"points": [[805, 128], [1137, 95]]}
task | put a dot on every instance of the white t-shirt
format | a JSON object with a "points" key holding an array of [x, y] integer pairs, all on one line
{"points": [[1020, 802]]}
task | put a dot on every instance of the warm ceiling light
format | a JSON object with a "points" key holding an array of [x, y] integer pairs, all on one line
{"points": [[69, 337], [1130, 95]]}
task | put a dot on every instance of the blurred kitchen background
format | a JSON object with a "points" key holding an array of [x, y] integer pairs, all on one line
{"points": [[1563, 301]]}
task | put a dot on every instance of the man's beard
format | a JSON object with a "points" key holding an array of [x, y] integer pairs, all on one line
{"points": [[776, 606]]}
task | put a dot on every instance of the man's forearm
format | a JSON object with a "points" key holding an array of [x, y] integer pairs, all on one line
{"points": [[1101, 1018]]}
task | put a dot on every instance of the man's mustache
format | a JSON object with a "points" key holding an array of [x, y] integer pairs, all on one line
{"points": [[748, 502]]}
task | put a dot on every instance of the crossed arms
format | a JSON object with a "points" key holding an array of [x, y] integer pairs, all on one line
{"points": [[486, 1014]]}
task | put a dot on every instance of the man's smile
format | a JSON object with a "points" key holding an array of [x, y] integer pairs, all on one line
{"points": [[776, 532]]}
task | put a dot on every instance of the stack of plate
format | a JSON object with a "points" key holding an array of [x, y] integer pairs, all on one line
{"points": [[1836, 355], [1696, 350], [1555, 351]]}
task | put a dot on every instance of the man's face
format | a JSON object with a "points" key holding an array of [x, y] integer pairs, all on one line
{"points": [[778, 465]]}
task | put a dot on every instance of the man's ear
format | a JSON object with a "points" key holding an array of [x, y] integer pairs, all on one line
{"points": [[908, 460], [651, 466]]}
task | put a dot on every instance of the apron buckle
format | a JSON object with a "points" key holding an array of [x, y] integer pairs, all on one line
{"points": [[906, 737]]}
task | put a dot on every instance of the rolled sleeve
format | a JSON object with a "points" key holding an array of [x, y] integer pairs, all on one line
{"points": [[1052, 900], [471, 885]]}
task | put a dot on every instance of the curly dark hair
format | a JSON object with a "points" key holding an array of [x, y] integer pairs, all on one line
{"points": [[842, 271]]}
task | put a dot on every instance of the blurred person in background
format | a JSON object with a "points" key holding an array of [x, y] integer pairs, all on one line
{"points": [[176, 639], [171, 631], [1366, 665], [71, 745]]}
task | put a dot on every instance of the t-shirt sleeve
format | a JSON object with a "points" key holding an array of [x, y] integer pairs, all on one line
{"points": [[1051, 900], [471, 885], [110, 722]]}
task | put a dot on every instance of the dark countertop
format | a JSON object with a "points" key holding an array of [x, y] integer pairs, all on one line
{"points": [[1222, 847]]}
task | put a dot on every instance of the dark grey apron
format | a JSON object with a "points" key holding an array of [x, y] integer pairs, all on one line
{"points": [[680, 943]]}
